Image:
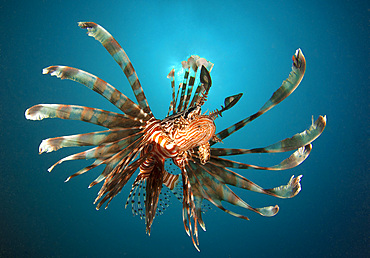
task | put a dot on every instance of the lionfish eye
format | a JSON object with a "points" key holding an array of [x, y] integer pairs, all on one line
{"points": [[150, 147]]}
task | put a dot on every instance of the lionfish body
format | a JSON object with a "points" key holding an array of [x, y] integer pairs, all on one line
{"points": [[137, 141]]}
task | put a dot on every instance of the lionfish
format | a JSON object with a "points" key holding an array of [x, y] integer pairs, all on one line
{"points": [[136, 140]]}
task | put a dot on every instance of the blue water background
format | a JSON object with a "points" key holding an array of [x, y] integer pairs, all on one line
{"points": [[251, 44]]}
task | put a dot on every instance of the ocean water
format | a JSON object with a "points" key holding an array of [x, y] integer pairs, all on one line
{"points": [[251, 44]]}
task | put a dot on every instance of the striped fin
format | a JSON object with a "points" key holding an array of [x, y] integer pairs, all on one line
{"points": [[287, 88], [137, 198], [103, 159], [138, 183], [73, 112], [229, 177], [188, 207], [229, 103], [96, 84], [206, 82], [196, 95], [88, 139], [120, 56], [203, 62], [198, 211], [126, 154], [95, 164], [119, 162], [294, 160], [193, 72], [170, 180], [192, 208], [122, 147], [153, 190], [183, 89], [173, 179], [176, 99], [185, 203], [189, 90], [215, 191], [117, 180], [208, 65], [164, 201], [298, 140], [171, 76], [190, 66]]}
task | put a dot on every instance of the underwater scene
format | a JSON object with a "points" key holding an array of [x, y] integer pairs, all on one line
{"points": [[235, 129]]}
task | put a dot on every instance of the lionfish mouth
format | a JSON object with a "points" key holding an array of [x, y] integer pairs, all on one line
{"points": [[175, 153]]}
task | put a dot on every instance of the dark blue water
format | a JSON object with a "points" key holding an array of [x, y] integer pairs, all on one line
{"points": [[251, 44]]}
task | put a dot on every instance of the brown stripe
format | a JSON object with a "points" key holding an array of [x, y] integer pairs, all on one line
{"points": [[86, 114], [116, 95], [64, 112], [129, 70], [68, 72], [99, 86], [111, 45]]}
